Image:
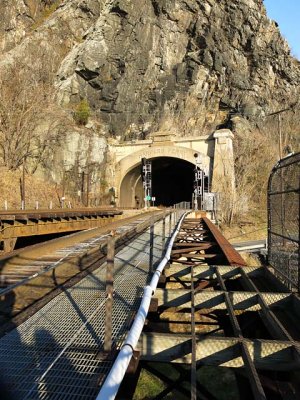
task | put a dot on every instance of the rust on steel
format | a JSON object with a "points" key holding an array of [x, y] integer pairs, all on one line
{"points": [[15, 215], [189, 327], [21, 223], [233, 257]]}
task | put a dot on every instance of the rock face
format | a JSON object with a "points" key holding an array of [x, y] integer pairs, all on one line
{"points": [[186, 66], [180, 65], [16, 19]]}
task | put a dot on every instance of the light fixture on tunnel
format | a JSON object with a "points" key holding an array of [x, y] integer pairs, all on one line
{"points": [[198, 160]]}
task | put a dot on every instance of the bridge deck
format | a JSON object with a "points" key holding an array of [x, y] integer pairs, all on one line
{"points": [[58, 352], [216, 316], [208, 314]]}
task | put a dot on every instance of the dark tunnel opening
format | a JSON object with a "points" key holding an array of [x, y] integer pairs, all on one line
{"points": [[172, 180]]}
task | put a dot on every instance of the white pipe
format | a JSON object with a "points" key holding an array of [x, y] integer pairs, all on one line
{"points": [[114, 379]]}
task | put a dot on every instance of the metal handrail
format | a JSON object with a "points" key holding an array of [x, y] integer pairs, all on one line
{"points": [[114, 379]]}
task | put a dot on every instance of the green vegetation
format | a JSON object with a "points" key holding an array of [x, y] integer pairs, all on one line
{"points": [[82, 112], [220, 382], [148, 387]]}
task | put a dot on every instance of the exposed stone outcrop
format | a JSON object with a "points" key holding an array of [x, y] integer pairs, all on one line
{"points": [[16, 18], [29, 34], [183, 65]]}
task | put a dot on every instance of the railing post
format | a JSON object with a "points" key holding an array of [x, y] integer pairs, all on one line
{"points": [[109, 291], [164, 231], [170, 223], [151, 243]]}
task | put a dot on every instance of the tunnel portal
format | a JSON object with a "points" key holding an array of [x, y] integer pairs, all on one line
{"points": [[172, 182]]}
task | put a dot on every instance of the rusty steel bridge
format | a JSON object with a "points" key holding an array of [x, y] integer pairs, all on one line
{"points": [[82, 317]]}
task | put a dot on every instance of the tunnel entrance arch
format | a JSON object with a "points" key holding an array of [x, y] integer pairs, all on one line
{"points": [[172, 182], [128, 182]]}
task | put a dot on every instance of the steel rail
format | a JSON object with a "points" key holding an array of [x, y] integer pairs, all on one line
{"points": [[113, 381], [232, 256], [176, 303]]}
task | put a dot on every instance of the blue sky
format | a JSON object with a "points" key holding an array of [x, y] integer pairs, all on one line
{"points": [[287, 14]]}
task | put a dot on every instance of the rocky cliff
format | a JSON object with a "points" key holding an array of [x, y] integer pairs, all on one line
{"points": [[181, 65]]}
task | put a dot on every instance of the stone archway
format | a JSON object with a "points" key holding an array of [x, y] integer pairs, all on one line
{"points": [[216, 153], [131, 186], [128, 173]]}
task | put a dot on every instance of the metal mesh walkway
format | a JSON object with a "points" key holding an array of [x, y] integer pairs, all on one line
{"points": [[57, 353]]}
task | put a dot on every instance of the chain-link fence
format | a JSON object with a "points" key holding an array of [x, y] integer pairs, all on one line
{"points": [[283, 220]]}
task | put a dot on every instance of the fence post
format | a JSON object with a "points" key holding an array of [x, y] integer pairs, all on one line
{"points": [[110, 261], [164, 230], [151, 243]]}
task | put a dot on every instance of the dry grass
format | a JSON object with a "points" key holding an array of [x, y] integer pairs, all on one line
{"points": [[251, 226], [251, 259], [36, 190], [244, 232]]}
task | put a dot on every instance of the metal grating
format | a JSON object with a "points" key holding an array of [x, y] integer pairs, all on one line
{"points": [[57, 353], [238, 318], [283, 220]]}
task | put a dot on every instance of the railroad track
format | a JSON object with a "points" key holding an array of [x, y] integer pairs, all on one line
{"points": [[30, 277], [208, 311], [24, 223], [58, 352]]}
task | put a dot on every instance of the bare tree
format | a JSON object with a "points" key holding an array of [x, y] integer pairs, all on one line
{"points": [[32, 125]]}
